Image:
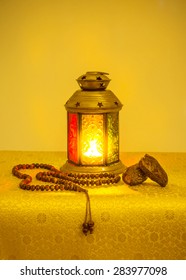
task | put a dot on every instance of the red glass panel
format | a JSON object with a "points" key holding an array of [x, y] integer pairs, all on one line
{"points": [[73, 137]]}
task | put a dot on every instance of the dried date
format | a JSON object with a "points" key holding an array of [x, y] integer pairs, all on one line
{"points": [[134, 175], [151, 167]]}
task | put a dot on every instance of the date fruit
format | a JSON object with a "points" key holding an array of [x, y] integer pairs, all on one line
{"points": [[134, 175], [151, 167]]}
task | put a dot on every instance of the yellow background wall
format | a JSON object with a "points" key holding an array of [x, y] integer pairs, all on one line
{"points": [[46, 44]]}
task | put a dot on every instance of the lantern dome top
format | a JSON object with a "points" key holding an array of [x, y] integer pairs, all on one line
{"points": [[93, 80], [93, 98]]}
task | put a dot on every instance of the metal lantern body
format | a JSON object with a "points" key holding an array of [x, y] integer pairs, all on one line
{"points": [[93, 127]]}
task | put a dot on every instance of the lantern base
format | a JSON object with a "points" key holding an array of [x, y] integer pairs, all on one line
{"points": [[116, 168]]}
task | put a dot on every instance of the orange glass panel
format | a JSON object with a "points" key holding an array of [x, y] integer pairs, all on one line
{"points": [[92, 142]]}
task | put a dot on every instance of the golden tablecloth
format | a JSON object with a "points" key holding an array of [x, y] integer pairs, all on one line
{"points": [[142, 222]]}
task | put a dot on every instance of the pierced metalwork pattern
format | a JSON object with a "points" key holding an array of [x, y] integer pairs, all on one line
{"points": [[113, 137], [92, 148]]}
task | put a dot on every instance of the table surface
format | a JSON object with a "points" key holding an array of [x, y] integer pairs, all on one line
{"points": [[141, 222]]}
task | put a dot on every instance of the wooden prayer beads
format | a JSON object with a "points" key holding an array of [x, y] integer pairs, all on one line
{"points": [[64, 181]]}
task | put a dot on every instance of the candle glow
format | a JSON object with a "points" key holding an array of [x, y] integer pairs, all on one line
{"points": [[93, 150]]}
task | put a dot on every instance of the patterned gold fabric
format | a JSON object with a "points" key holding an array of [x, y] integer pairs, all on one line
{"points": [[142, 222]]}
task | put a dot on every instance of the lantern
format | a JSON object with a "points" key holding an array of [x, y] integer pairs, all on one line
{"points": [[93, 127]]}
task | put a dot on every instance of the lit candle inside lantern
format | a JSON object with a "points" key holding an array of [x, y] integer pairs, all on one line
{"points": [[92, 150], [92, 155]]}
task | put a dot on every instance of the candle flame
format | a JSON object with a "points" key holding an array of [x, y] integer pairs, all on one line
{"points": [[92, 150]]}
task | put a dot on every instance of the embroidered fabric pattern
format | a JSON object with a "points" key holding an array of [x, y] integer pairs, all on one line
{"points": [[131, 222]]}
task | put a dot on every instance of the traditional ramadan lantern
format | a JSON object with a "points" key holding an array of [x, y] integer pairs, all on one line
{"points": [[93, 127]]}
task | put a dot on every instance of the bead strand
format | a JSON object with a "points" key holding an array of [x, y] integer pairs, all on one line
{"points": [[57, 177]]}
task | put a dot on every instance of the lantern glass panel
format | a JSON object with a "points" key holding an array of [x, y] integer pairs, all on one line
{"points": [[113, 137], [73, 137], [92, 139]]}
